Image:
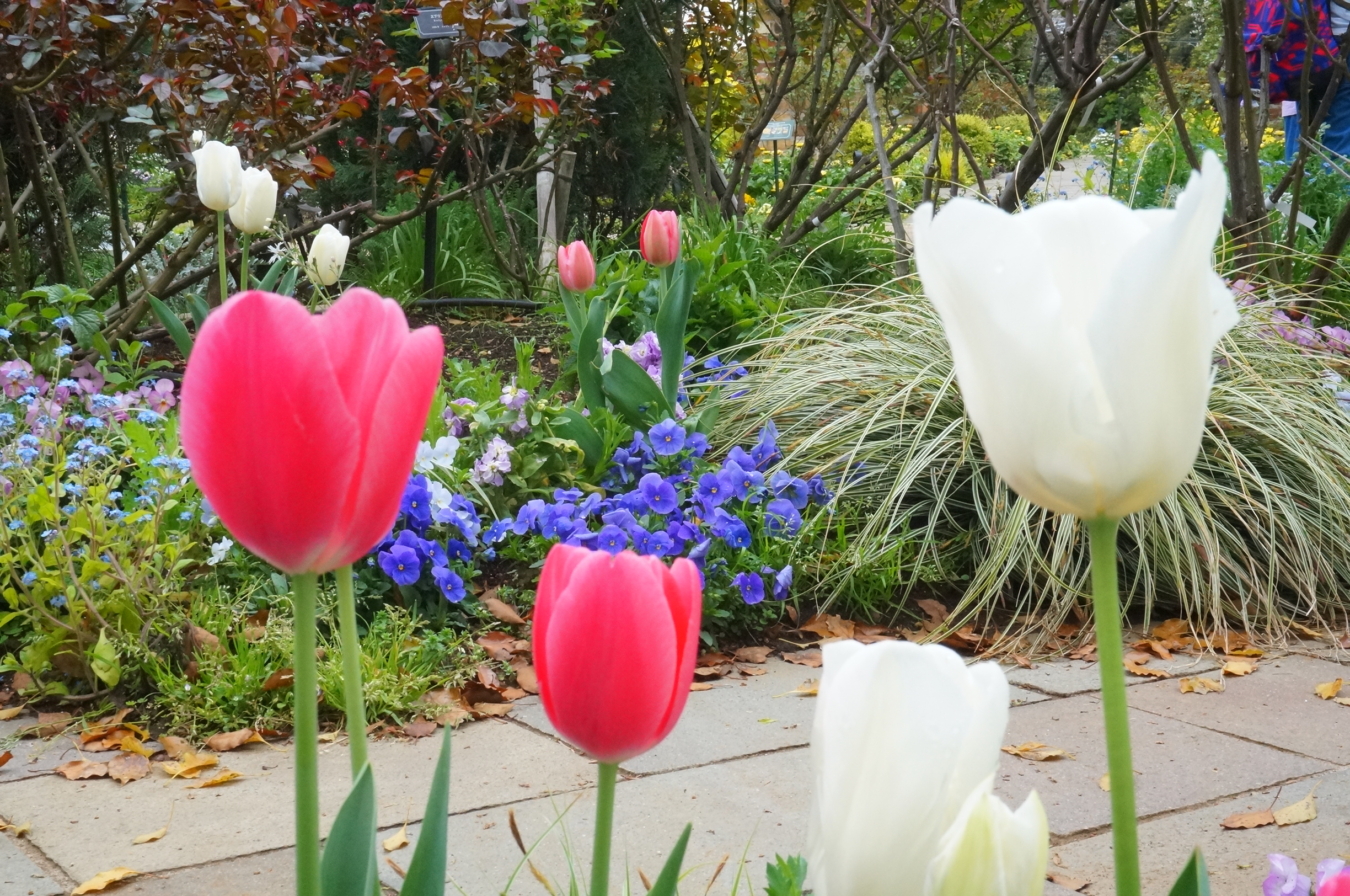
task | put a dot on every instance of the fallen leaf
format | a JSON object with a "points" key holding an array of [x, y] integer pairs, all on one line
{"points": [[1245, 820], [1087, 653], [453, 717], [1248, 651], [492, 709], [7, 714], [752, 654], [176, 747], [1036, 752], [512, 694], [747, 670], [502, 610], [1329, 689], [190, 765], [1104, 782], [199, 640], [1134, 664], [1200, 685], [700, 686], [5, 757], [1297, 813], [1343, 701], [420, 727], [127, 767], [102, 880], [21, 682], [1024, 662], [1171, 629], [132, 744], [18, 830], [936, 611], [809, 657], [150, 837], [526, 678], [397, 841], [224, 776], [78, 769], [282, 678], [828, 626], [233, 740], [808, 688], [1239, 667], [1157, 648], [1069, 883], [50, 724]]}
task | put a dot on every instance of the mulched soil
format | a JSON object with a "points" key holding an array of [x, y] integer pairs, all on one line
{"points": [[490, 334]]}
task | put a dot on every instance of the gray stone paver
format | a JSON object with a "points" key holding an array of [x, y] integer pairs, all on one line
{"points": [[737, 767], [20, 876]]}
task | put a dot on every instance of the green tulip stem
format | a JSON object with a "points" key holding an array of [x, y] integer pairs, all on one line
{"points": [[306, 692], [1110, 657], [245, 281], [604, 828], [353, 691], [220, 253]]}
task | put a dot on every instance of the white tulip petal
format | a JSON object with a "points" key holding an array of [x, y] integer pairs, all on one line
{"points": [[257, 202], [220, 175], [992, 851]]}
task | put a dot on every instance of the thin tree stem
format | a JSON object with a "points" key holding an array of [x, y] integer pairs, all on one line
{"points": [[604, 828], [1110, 658], [220, 253], [306, 691], [245, 281], [352, 688]]}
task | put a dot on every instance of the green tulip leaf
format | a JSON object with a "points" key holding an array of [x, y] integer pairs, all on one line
{"points": [[1194, 879], [199, 310], [571, 425], [273, 275], [670, 874], [637, 399], [671, 320], [348, 864], [426, 872], [287, 287], [589, 355], [177, 332]]}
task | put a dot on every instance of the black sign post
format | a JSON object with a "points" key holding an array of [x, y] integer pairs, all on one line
{"points": [[431, 27]]}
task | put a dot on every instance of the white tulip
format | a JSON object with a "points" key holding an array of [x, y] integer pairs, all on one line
{"points": [[257, 202], [1082, 334], [198, 137], [903, 735], [220, 175], [991, 850], [327, 255]]}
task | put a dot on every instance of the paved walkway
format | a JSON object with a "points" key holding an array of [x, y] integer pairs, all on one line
{"points": [[737, 768]]}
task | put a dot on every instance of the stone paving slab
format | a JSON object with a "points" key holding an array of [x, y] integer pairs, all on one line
{"points": [[733, 719], [20, 876], [1066, 678], [1236, 859], [1176, 764], [87, 826], [1275, 705], [261, 874]]}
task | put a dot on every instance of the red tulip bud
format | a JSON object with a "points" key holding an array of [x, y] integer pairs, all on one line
{"points": [[1336, 886], [302, 428], [614, 644], [660, 238], [576, 267]]}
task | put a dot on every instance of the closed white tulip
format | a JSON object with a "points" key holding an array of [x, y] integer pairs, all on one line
{"points": [[220, 175], [991, 850], [327, 255], [257, 202], [903, 736], [1082, 334]]}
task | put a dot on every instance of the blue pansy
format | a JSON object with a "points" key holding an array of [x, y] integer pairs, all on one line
{"points": [[658, 493], [730, 529], [592, 503], [782, 580], [667, 437], [699, 552], [436, 554], [641, 539], [781, 518], [659, 544], [765, 450], [458, 550], [712, 490], [410, 540], [567, 495], [785, 485], [611, 539], [496, 531], [743, 482], [416, 501], [451, 585], [527, 518], [622, 519], [741, 458], [751, 586], [401, 564], [817, 490], [697, 444], [556, 520]]}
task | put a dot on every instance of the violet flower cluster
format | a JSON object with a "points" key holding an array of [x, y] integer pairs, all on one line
{"points": [[407, 554], [1284, 879]]}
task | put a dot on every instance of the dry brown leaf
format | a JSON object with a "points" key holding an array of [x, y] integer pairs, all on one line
{"points": [[1157, 648], [1036, 752], [1134, 664], [1024, 662], [224, 776], [700, 686], [1087, 653], [282, 678], [1343, 701], [7, 714], [1172, 628], [1200, 685], [198, 640], [1327, 690], [492, 709], [526, 678], [502, 610], [752, 654], [150, 837], [747, 670], [78, 769], [127, 767], [1239, 667], [132, 744], [1254, 652], [935, 610], [50, 724], [396, 841], [452, 718], [808, 688], [809, 657], [176, 747], [1245, 820], [5, 757], [1104, 782], [190, 765], [233, 740], [1069, 883], [420, 727], [102, 880], [828, 626], [1297, 813]]}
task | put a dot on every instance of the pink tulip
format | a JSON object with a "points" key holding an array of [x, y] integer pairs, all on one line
{"points": [[660, 238], [576, 267], [302, 428], [615, 638], [1336, 886]]}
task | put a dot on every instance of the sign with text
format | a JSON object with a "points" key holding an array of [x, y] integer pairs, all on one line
{"points": [[779, 129], [430, 24]]}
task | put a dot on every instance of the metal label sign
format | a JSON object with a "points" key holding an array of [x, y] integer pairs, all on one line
{"points": [[779, 129], [430, 24]]}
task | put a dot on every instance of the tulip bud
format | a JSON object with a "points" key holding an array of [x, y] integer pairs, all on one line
{"points": [[198, 137], [257, 202], [576, 267], [220, 175], [660, 238], [1083, 338], [1336, 886], [327, 255], [991, 849]]}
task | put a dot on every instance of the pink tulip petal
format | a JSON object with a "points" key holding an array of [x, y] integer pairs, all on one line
{"points": [[270, 447], [558, 567], [684, 593]]}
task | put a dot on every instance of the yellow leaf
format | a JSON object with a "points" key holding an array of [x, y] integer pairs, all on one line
{"points": [[190, 766], [1327, 690], [1200, 685], [7, 714], [101, 880], [1104, 782], [1297, 813], [224, 776], [151, 837], [1239, 667], [1036, 752], [132, 744], [18, 830], [397, 841], [808, 688]]}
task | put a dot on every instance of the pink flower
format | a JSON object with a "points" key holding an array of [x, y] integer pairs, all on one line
{"points": [[576, 267], [660, 238], [159, 397], [88, 376], [15, 376]]}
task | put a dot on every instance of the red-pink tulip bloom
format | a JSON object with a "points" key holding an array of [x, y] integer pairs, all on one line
{"points": [[615, 638], [576, 267], [660, 237], [1336, 886], [302, 428]]}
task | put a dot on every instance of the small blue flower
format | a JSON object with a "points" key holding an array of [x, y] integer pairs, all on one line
{"points": [[527, 518], [567, 495], [458, 550], [612, 539], [667, 437], [817, 490], [712, 490], [29, 577], [6, 421], [27, 455], [410, 539], [751, 586], [64, 322], [451, 585], [782, 580], [4, 334], [743, 482], [659, 494], [592, 503], [149, 418], [497, 531], [416, 501], [697, 444], [185, 515], [401, 564], [15, 525], [785, 485], [63, 351], [437, 555], [781, 518]]}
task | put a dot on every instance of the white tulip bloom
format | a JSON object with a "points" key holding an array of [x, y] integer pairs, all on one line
{"points": [[257, 201], [327, 255], [904, 736], [198, 137], [992, 850], [220, 175], [442, 454], [1082, 334]]}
